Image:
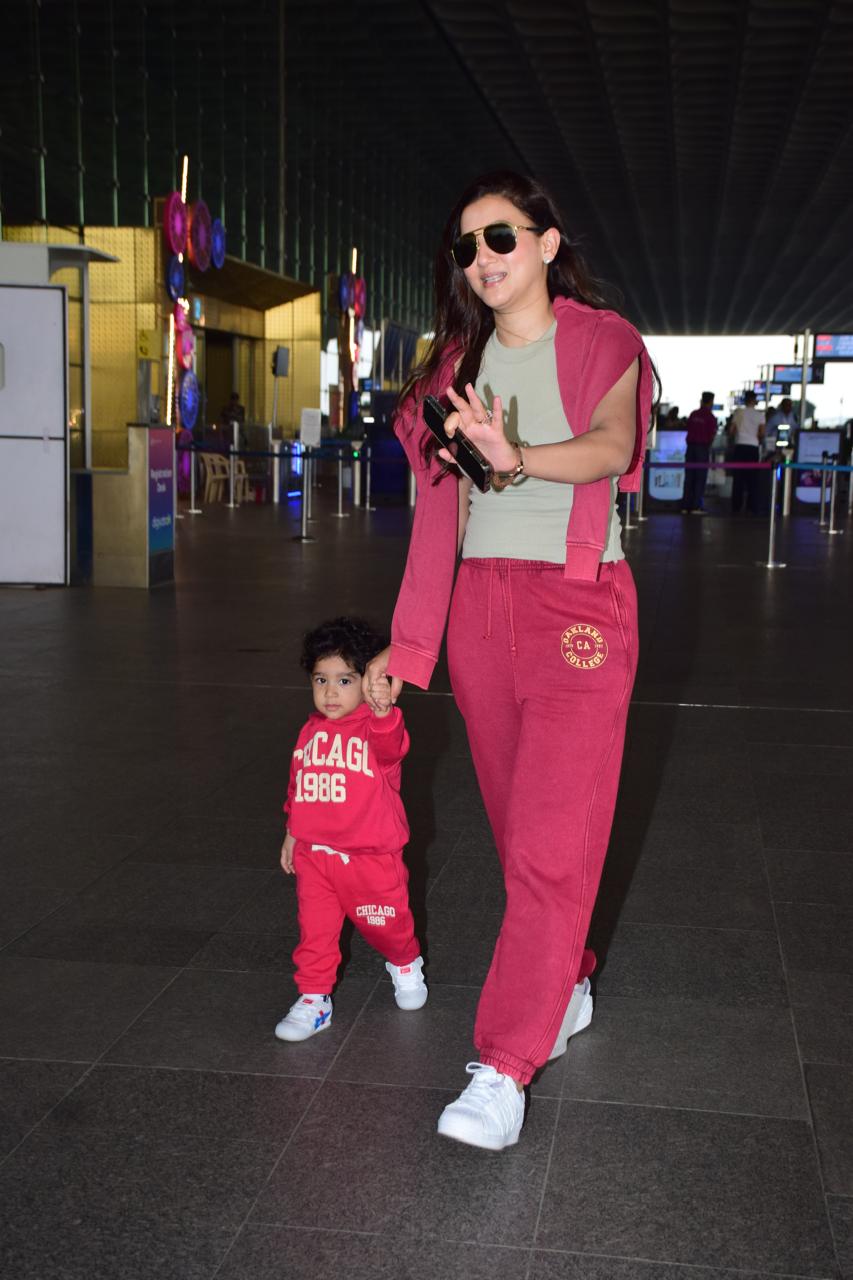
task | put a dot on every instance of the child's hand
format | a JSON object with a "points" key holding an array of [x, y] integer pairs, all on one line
{"points": [[287, 854], [379, 695]]}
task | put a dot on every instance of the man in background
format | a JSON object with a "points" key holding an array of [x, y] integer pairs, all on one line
{"points": [[701, 429], [781, 425], [747, 433]]}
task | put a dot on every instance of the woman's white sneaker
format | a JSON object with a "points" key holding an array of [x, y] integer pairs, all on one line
{"points": [[577, 1017], [489, 1113], [410, 990], [310, 1014]]}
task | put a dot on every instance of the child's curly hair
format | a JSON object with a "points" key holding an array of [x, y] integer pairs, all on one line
{"points": [[352, 639]]}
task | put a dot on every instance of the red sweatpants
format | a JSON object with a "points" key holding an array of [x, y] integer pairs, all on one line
{"points": [[372, 889], [542, 669]]}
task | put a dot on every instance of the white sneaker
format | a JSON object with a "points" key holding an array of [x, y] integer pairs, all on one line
{"points": [[577, 1017], [410, 990], [489, 1113], [310, 1014]]}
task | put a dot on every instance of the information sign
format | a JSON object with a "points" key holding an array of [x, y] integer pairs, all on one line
{"points": [[834, 346], [161, 530], [310, 423], [666, 484], [811, 446], [794, 373]]}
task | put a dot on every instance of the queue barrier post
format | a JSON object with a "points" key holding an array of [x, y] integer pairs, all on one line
{"points": [[833, 490], [640, 492], [340, 514], [627, 512], [772, 562], [356, 472], [821, 524], [413, 488], [368, 459], [304, 535], [787, 490], [232, 465], [276, 472], [192, 509]]}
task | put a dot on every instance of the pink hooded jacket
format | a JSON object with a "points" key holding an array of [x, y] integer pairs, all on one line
{"points": [[593, 350]]}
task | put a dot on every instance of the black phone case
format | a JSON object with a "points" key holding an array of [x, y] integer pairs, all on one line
{"points": [[475, 465]]}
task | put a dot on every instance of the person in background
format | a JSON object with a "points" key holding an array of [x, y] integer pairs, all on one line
{"points": [[747, 432], [670, 420], [233, 411], [781, 425], [701, 429]]}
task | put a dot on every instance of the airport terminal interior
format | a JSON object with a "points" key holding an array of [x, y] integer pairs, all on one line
{"points": [[217, 228]]}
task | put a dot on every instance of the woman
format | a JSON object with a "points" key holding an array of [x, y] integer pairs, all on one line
{"points": [[542, 642]]}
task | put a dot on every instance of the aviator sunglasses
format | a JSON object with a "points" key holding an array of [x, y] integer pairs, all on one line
{"points": [[501, 237]]}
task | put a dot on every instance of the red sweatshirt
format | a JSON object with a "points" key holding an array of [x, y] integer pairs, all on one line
{"points": [[593, 350], [344, 786]]}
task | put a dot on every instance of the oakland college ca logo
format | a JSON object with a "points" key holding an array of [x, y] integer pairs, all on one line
{"points": [[583, 646]]}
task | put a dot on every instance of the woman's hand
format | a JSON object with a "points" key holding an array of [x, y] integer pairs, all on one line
{"points": [[483, 427], [372, 682]]}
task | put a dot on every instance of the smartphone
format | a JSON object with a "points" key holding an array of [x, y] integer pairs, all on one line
{"points": [[465, 454]]}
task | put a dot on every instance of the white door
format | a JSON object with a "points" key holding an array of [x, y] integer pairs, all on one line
{"points": [[33, 435]]}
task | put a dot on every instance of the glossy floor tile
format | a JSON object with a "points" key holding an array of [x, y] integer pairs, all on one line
{"points": [[153, 1128]]}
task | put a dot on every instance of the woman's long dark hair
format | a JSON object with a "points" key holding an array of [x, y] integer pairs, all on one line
{"points": [[462, 320]]}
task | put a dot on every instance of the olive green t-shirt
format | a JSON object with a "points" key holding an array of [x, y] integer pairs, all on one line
{"points": [[528, 519]]}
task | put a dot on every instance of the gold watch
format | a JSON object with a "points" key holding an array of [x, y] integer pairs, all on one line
{"points": [[500, 479]]}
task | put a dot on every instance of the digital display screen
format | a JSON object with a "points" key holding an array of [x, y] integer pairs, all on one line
{"points": [[775, 388], [834, 346], [794, 373]]}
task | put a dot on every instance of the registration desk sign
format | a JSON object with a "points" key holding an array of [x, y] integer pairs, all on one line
{"points": [[161, 498]]}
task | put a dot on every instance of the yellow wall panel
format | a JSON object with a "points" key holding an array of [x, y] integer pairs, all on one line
{"points": [[145, 265], [113, 329], [41, 235]]}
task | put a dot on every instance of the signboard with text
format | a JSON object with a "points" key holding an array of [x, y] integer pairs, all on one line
{"points": [[666, 484], [161, 485], [811, 446], [310, 427], [794, 373], [833, 346]]}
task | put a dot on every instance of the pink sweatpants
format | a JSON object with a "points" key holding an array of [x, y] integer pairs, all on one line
{"points": [[370, 888], [542, 669]]}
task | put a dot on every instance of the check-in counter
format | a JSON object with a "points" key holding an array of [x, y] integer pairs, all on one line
{"points": [[133, 514]]}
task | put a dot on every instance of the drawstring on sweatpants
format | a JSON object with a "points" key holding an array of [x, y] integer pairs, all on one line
{"points": [[510, 618], [333, 853], [488, 634]]}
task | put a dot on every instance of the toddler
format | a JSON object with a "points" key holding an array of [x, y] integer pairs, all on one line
{"points": [[346, 827]]}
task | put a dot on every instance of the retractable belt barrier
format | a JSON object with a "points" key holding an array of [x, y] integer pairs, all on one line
{"points": [[825, 467], [361, 455], [364, 455]]}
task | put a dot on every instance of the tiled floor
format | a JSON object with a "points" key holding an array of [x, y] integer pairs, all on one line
{"points": [[152, 1128]]}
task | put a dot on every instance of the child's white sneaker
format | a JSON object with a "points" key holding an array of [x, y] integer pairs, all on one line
{"points": [[310, 1014], [576, 1018], [489, 1113], [410, 990]]}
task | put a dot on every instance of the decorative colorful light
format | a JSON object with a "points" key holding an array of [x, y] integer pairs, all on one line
{"points": [[189, 231]]}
